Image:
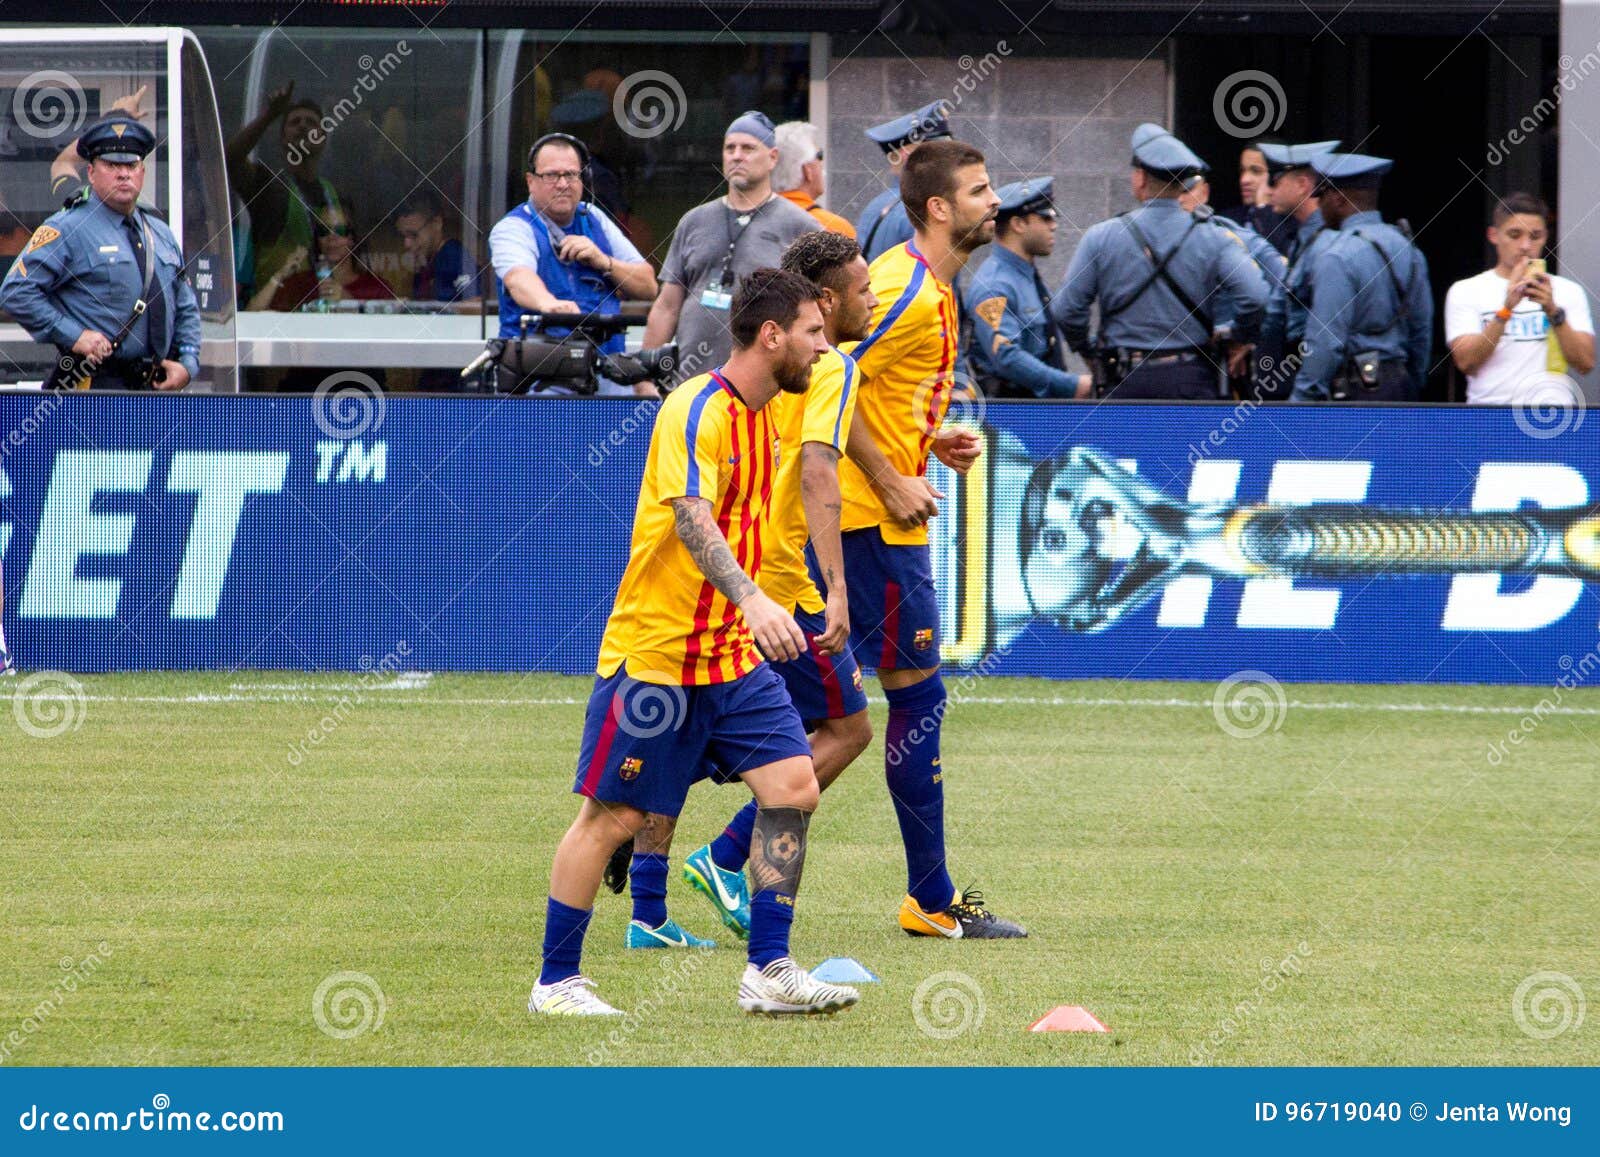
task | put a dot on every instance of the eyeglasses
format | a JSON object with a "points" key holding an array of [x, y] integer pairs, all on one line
{"points": [[566, 176]]}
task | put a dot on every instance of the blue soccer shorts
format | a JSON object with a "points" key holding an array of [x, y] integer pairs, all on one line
{"points": [[894, 610], [646, 744], [822, 686]]}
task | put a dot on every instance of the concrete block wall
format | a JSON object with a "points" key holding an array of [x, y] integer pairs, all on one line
{"points": [[1065, 117]]}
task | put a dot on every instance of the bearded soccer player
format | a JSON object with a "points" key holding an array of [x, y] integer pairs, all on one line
{"points": [[907, 367], [689, 631], [824, 682]]}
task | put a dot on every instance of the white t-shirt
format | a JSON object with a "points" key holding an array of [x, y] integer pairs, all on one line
{"points": [[1515, 373]]}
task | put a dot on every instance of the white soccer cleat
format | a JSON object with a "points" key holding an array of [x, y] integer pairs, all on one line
{"points": [[784, 987], [573, 996]]}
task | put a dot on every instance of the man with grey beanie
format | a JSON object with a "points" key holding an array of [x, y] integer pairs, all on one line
{"points": [[718, 243]]}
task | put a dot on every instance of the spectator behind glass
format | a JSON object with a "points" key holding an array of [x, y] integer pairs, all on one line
{"points": [[1516, 331], [556, 253], [338, 275], [289, 215], [444, 272], [799, 176]]}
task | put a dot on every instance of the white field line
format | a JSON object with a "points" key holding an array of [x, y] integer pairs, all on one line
{"points": [[337, 692]]}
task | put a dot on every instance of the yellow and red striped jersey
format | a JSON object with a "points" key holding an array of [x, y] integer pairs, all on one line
{"points": [[907, 366], [669, 624], [821, 414]]}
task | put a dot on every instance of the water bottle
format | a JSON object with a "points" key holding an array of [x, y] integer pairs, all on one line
{"points": [[324, 271]]}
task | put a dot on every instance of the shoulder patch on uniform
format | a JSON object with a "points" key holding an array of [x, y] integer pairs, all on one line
{"points": [[991, 310], [42, 236]]}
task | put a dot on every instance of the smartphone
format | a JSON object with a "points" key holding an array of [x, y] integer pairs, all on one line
{"points": [[1537, 267]]}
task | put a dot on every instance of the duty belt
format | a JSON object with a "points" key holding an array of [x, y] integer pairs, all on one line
{"points": [[1161, 357]]}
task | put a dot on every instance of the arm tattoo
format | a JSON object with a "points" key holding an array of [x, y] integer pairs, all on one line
{"points": [[778, 849], [709, 549]]}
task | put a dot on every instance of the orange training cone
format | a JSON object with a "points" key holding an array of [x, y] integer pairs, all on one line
{"points": [[1068, 1018]]}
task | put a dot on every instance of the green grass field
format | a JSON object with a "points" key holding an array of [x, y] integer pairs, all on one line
{"points": [[1352, 886]]}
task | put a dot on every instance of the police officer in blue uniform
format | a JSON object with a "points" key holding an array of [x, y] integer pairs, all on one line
{"points": [[1370, 320], [1017, 350], [78, 283], [1196, 200], [1156, 272], [1294, 195], [884, 223]]}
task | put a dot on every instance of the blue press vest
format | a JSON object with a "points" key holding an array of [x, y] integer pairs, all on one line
{"points": [[590, 291]]}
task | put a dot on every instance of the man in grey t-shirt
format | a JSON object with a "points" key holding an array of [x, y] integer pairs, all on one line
{"points": [[717, 243]]}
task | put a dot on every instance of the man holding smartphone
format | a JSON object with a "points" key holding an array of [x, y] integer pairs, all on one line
{"points": [[1518, 331]]}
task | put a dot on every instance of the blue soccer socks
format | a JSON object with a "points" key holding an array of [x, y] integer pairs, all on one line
{"points": [[564, 929], [916, 784]]}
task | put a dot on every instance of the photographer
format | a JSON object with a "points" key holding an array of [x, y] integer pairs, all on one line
{"points": [[556, 253]]}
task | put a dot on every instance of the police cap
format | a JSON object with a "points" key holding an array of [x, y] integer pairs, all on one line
{"points": [[1349, 170], [1282, 158], [1163, 155], [116, 138], [1031, 196], [929, 122]]}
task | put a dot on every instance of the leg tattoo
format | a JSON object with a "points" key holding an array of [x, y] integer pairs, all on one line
{"points": [[778, 849]]}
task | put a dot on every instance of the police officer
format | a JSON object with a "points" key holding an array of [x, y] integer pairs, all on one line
{"points": [[1293, 191], [884, 223], [1196, 200], [77, 282], [1018, 351], [1156, 272], [1370, 319]]}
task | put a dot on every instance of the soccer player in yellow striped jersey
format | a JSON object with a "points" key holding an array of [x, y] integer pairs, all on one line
{"points": [[824, 683], [907, 365], [682, 689]]}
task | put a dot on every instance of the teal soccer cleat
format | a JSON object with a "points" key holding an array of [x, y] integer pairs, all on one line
{"points": [[669, 935], [727, 891]]}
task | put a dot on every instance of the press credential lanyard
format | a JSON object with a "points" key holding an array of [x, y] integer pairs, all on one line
{"points": [[719, 294]]}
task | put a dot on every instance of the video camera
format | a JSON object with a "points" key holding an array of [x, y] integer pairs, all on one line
{"points": [[572, 361]]}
